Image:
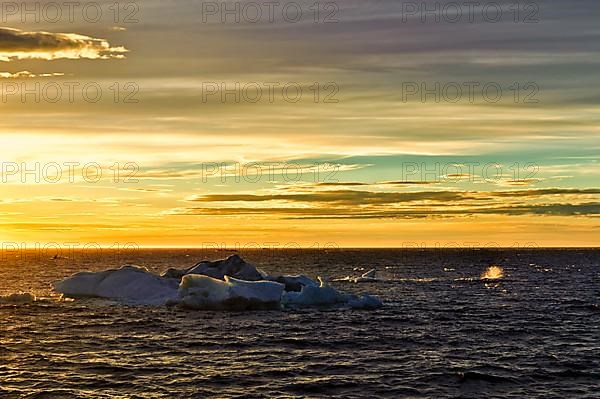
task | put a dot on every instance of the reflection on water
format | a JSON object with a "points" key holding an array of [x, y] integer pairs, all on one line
{"points": [[442, 332], [493, 273]]}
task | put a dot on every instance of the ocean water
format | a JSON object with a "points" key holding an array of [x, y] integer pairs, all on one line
{"points": [[532, 331]]}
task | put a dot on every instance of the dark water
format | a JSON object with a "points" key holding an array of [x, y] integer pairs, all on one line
{"points": [[443, 332]]}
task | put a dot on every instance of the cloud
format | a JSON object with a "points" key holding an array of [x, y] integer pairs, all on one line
{"points": [[585, 209], [548, 191], [341, 184], [363, 197], [28, 226], [385, 183], [407, 183], [28, 75], [251, 171], [17, 44], [340, 197], [351, 204]]}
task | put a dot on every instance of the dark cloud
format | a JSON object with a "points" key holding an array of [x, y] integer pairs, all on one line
{"points": [[586, 209], [356, 197], [548, 191], [341, 197], [369, 204]]}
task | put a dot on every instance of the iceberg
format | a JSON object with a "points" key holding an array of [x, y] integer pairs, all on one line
{"points": [[207, 293], [293, 283], [229, 284], [315, 295], [233, 266], [326, 295], [129, 284]]}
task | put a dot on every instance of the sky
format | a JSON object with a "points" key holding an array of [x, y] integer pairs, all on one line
{"points": [[300, 124]]}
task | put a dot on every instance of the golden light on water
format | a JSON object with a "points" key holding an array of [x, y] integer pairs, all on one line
{"points": [[493, 273]]}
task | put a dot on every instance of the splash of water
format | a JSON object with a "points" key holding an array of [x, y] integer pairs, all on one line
{"points": [[493, 273]]}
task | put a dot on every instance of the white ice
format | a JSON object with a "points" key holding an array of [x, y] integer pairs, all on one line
{"points": [[326, 295], [129, 283], [198, 288], [368, 277], [204, 292]]}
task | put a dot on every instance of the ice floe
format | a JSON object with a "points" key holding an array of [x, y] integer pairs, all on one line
{"points": [[368, 277], [228, 284]]}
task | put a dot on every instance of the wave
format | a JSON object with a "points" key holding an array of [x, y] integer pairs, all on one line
{"points": [[18, 298]]}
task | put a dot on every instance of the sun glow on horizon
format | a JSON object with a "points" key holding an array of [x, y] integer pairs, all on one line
{"points": [[116, 132]]}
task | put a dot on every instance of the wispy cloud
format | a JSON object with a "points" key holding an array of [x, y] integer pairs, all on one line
{"points": [[28, 75]]}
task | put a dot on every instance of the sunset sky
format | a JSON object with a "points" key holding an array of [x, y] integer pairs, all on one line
{"points": [[369, 164]]}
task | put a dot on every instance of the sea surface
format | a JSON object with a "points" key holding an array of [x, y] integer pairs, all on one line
{"points": [[530, 331]]}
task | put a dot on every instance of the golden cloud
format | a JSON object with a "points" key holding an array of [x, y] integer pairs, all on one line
{"points": [[27, 75], [16, 44]]}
